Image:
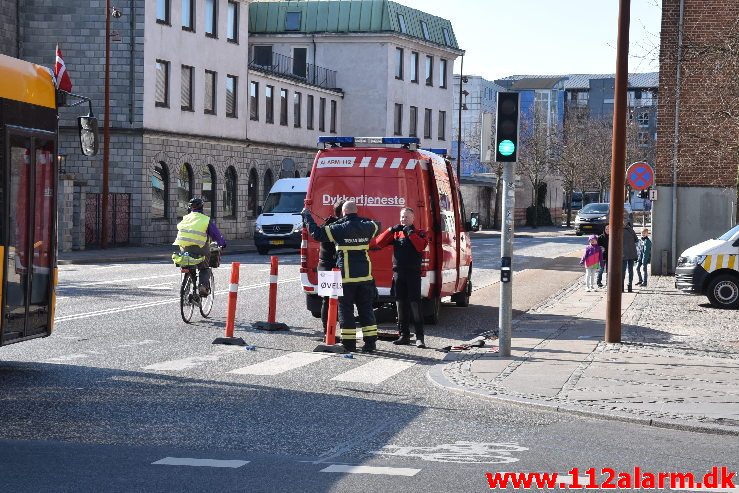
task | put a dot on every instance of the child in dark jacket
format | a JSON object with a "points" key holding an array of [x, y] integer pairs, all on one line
{"points": [[591, 260]]}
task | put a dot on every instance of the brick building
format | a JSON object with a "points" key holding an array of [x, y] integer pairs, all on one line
{"points": [[698, 126]]}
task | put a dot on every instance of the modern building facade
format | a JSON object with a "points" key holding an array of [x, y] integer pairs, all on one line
{"points": [[697, 147]]}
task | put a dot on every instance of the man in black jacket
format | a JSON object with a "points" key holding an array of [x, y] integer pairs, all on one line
{"points": [[352, 236], [603, 243], [327, 258]]}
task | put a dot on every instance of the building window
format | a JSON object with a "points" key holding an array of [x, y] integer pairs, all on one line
{"points": [[447, 37], [309, 113], [283, 106], [442, 125], [333, 117], [229, 193], [427, 124], [643, 139], [297, 108], [163, 11], [643, 119], [401, 23], [209, 187], [399, 63], [300, 58], [292, 21], [210, 92], [442, 73], [211, 18], [413, 122], [425, 30], [186, 92], [159, 190], [398, 119], [263, 55], [254, 101], [322, 115], [161, 94], [232, 28], [252, 193], [188, 15], [232, 96], [414, 67], [429, 70], [184, 189], [269, 106]]}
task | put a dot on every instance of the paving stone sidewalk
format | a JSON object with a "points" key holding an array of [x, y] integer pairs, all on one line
{"points": [[677, 365]]}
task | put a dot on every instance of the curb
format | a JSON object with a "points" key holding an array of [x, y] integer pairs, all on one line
{"points": [[437, 377], [143, 257]]}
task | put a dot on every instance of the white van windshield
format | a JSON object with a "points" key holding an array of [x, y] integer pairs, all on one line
{"points": [[284, 202], [729, 234]]}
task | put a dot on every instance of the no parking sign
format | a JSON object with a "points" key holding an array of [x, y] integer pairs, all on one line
{"points": [[640, 176]]}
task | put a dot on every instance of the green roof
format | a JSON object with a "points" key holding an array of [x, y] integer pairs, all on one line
{"points": [[348, 16]]}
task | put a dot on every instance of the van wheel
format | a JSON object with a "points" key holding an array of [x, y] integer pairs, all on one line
{"points": [[723, 292], [431, 310], [463, 299], [262, 250]]}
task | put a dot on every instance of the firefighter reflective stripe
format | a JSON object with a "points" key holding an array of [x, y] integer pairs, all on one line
{"points": [[328, 233], [368, 331], [377, 227], [192, 230], [352, 247], [345, 254], [348, 334]]}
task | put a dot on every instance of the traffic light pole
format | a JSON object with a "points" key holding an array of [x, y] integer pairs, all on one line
{"points": [[505, 311]]}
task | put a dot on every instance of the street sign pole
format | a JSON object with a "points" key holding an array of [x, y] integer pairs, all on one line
{"points": [[505, 310]]}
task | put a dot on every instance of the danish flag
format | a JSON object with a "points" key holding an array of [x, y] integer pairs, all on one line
{"points": [[63, 82]]}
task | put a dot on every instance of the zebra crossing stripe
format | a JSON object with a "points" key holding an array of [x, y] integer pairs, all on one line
{"points": [[386, 471], [374, 372], [281, 364]]}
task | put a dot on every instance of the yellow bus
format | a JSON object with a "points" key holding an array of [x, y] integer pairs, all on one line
{"points": [[29, 105]]}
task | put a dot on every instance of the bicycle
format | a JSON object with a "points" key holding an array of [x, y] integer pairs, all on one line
{"points": [[189, 295]]}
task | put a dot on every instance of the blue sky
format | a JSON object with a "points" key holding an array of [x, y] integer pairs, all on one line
{"points": [[507, 37]]}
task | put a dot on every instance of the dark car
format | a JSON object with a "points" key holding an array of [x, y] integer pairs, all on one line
{"points": [[592, 219]]}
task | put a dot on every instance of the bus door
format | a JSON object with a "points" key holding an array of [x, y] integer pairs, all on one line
{"points": [[28, 234]]}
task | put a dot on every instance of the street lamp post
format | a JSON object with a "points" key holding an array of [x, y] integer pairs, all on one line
{"points": [[106, 131], [459, 121]]}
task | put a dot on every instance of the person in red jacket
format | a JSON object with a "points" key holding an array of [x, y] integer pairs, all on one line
{"points": [[408, 243]]}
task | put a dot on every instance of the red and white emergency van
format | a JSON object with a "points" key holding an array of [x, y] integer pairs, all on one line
{"points": [[382, 179]]}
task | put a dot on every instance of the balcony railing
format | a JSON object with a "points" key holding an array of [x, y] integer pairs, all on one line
{"points": [[286, 66]]}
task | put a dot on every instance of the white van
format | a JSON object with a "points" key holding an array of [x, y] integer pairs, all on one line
{"points": [[711, 268], [279, 223]]}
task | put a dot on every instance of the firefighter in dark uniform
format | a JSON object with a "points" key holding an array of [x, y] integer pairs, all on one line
{"points": [[327, 258], [408, 245], [352, 236]]}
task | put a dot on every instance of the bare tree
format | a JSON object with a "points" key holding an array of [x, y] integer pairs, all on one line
{"points": [[571, 157], [535, 158]]}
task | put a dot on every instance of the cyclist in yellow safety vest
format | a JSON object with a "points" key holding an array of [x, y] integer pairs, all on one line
{"points": [[194, 234]]}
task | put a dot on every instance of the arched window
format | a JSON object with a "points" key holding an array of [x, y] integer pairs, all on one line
{"points": [[184, 189], [159, 190], [297, 174], [209, 188], [253, 192], [229, 193], [267, 182]]}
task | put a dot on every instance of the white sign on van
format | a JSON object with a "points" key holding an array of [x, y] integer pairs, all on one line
{"points": [[329, 283], [336, 162]]}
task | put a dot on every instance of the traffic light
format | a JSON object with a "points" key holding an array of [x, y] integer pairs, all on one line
{"points": [[506, 127]]}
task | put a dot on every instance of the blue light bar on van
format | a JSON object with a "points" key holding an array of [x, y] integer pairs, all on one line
{"points": [[330, 139], [400, 140], [438, 150]]}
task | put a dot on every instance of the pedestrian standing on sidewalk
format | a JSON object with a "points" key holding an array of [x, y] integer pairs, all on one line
{"points": [[408, 243], [630, 254], [603, 244], [644, 256], [591, 260], [327, 258]]}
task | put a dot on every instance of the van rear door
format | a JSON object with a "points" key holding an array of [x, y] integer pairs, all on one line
{"points": [[447, 255]]}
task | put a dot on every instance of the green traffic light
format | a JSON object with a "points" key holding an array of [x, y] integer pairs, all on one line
{"points": [[506, 147]]}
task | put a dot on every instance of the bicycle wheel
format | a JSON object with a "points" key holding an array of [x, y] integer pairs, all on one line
{"points": [[187, 304], [206, 304]]}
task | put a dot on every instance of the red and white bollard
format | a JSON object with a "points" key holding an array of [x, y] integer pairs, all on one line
{"points": [[233, 290], [271, 323]]}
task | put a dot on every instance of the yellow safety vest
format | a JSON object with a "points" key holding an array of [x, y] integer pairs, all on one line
{"points": [[192, 230]]}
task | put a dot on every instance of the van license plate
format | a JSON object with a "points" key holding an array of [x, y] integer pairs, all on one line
{"points": [[277, 242]]}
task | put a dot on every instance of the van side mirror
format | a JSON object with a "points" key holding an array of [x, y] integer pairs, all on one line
{"points": [[88, 126], [474, 223], [259, 210]]}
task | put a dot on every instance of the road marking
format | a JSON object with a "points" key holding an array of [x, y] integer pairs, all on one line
{"points": [[460, 452], [67, 358], [374, 372], [281, 364], [181, 461], [387, 471], [191, 362], [161, 286], [97, 283], [139, 306]]}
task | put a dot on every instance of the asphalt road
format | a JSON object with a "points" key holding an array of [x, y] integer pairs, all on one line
{"points": [[126, 397]]}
